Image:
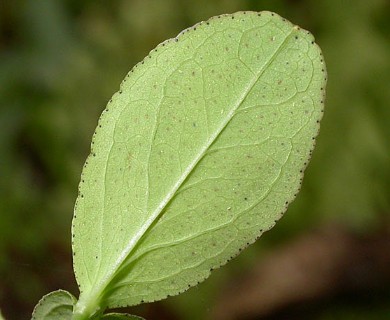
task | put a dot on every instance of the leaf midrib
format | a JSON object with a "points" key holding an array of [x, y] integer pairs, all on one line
{"points": [[112, 271]]}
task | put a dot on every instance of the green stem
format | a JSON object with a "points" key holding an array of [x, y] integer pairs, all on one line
{"points": [[87, 307]]}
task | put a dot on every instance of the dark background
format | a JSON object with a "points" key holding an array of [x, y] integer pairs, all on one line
{"points": [[328, 258]]}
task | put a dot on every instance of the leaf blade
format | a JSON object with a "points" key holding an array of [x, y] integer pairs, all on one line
{"points": [[156, 178], [55, 305]]}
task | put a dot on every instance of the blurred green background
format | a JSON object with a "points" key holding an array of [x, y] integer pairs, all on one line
{"points": [[60, 62]]}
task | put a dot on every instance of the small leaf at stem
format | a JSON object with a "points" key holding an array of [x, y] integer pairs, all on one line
{"points": [[55, 305]]}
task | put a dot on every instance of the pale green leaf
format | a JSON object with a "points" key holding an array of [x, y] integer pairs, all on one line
{"points": [[1, 316], [55, 305], [198, 154], [120, 316]]}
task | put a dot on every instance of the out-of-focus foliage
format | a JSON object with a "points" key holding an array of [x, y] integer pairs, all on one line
{"points": [[60, 61]]}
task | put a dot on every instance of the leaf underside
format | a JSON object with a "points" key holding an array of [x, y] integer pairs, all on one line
{"points": [[198, 154]]}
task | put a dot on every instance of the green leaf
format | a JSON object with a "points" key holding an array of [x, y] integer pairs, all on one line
{"points": [[55, 305], [1, 316], [200, 152], [120, 316]]}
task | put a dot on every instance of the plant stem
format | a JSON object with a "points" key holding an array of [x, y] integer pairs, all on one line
{"points": [[87, 307]]}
